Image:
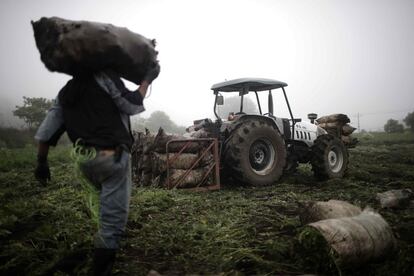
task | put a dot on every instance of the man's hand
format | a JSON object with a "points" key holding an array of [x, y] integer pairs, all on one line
{"points": [[153, 73], [42, 172]]}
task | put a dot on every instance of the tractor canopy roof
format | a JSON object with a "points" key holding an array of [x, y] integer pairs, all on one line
{"points": [[248, 84]]}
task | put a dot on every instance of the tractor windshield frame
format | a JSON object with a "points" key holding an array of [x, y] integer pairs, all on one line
{"points": [[245, 85]]}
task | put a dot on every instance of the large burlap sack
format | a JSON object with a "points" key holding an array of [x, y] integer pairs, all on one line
{"points": [[182, 161], [347, 130], [334, 118], [191, 180], [395, 198], [162, 139], [313, 211], [76, 47], [355, 240]]}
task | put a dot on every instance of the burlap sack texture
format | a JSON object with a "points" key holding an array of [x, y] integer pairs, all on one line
{"points": [[338, 125], [78, 47], [313, 211], [358, 239], [150, 160], [395, 198]]}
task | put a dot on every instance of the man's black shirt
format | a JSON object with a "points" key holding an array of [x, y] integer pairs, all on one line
{"points": [[91, 115]]}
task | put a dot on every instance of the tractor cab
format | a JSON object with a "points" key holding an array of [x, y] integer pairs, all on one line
{"points": [[243, 87], [257, 147]]}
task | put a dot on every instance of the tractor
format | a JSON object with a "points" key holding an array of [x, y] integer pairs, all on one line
{"points": [[257, 149]]}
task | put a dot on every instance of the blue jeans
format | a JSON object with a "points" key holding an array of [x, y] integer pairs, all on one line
{"points": [[113, 179]]}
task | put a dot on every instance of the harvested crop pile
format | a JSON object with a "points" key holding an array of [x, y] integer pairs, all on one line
{"points": [[75, 47], [348, 241], [338, 125], [188, 167]]}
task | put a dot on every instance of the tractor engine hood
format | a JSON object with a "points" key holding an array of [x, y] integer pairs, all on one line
{"points": [[307, 132]]}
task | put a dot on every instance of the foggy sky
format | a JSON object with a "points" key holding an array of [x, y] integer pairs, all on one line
{"points": [[337, 56]]}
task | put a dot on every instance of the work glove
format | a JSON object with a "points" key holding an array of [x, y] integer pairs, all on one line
{"points": [[153, 73], [42, 172]]}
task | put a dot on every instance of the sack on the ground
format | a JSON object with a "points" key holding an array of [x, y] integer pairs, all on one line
{"points": [[353, 240], [76, 47], [395, 198], [313, 211]]}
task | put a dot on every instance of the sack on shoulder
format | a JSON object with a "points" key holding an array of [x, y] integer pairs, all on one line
{"points": [[76, 47]]}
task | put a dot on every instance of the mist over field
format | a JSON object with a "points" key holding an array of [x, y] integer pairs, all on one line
{"points": [[246, 195], [352, 57]]}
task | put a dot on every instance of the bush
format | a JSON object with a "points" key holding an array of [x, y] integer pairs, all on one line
{"points": [[19, 138], [16, 138], [392, 126]]}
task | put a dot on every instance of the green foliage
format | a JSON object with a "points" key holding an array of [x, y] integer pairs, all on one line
{"points": [[315, 251], [39, 225], [16, 138], [234, 231], [33, 110], [383, 138], [20, 138], [80, 155], [392, 126], [409, 121]]}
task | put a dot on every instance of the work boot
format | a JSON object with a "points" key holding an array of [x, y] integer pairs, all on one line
{"points": [[103, 260]]}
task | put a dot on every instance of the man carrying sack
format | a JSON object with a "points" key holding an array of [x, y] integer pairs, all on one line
{"points": [[94, 109]]}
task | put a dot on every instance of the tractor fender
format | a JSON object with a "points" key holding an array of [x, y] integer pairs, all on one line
{"points": [[275, 122]]}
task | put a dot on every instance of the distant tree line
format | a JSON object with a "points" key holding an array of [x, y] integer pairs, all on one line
{"points": [[34, 110], [393, 126], [156, 120]]}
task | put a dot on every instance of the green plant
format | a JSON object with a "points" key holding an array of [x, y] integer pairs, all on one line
{"points": [[33, 110]]}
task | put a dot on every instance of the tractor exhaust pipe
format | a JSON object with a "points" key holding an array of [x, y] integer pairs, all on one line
{"points": [[312, 117]]}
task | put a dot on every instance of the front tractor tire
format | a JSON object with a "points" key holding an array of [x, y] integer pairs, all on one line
{"points": [[329, 157], [255, 153]]}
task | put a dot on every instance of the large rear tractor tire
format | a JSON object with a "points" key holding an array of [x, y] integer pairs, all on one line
{"points": [[255, 153], [330, 157]]}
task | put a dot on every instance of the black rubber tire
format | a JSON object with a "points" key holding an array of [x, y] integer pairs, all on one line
{"points": [[255, 153], [329, 157], [291, 167]]}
